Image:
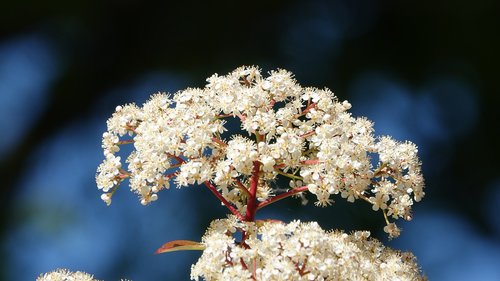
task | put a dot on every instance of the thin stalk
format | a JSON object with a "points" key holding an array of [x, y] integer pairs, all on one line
{"points": [[308, 134], [125, 142], [282, 196], [219, 141], [288, 175], [310, 162], [242, 187], [228, 205], [179, 159]]}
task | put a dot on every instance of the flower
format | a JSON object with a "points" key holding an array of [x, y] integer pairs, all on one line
{"points": [[392, 229], [292, 132], [298, 251], [108, 172], [66, 275]]}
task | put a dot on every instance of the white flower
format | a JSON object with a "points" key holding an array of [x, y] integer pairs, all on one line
{"points": [[241, 152], [124, 120], [291, 132], [65, 275], [379, 201], [298, 251], [194, 172], [108, 172], [268, 163], [392, 229], [106, 197]]}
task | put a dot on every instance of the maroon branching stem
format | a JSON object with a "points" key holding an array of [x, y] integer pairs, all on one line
{"points": [[252, 199], [243, 238], [125, 142], [242, 117], [179, 160], [282, 196], [304, 162], [279, 166], [242, 187], [224, 115], [254, 269], [223, 200], [171, 175], [131, 128], [309, 107], [308, 134], [123, 174], [243, 264], [310, 162], [302, 269], [175, 166], [219, 141]]}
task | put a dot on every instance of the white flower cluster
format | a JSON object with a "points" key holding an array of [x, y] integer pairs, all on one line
{"points": [[298, 251], [65, 275], [303, 134]]}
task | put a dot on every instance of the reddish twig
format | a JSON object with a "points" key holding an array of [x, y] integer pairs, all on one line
{"points": [[179, 160], [219, 141], [310, 162], [308, 134], [252, 199], [309, 107], [242, 187], [219, 196], [125, 142]]}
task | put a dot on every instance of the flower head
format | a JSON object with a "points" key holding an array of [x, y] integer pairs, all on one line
{"points": [[298, 251], [302, 134], [65, 275]]}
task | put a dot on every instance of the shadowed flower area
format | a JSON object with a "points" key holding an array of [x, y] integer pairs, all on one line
{"points": [[421, 74]]}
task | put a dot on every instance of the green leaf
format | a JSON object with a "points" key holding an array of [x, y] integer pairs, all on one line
{"points": [[180, 245]]}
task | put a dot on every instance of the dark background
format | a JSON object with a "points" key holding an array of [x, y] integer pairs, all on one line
{"points": [[423, 72]]}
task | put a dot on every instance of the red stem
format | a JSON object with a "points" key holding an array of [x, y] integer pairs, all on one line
{"points": [[243, 264], [123, 176], [309, 106], [219, 141], [125, 142], [171, 175], [305, 162], [279, 166], [282, 196], [224, 115], [252, 199], [241, 186], [223, 200], [310, 162], [179, 160], [308, 134]]}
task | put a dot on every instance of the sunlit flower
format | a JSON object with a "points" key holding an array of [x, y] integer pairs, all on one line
{"points": [[298, 251], [292, 132], [66, 275]]}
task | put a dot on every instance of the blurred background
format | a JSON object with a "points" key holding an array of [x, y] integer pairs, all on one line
{"points": [[425, 73]]}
